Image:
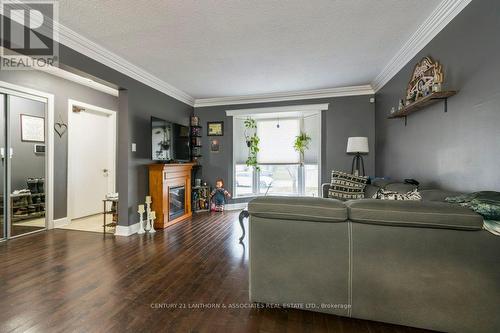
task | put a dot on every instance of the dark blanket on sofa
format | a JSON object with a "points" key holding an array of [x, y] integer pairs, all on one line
{"points": [[485, 203]]}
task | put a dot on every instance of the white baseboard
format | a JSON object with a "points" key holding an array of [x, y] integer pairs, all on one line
{"points": [[61, 222], [126, 230], [236, 206]]}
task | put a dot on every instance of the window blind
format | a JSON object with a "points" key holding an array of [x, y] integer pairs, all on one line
{"points": [[276, 144]]}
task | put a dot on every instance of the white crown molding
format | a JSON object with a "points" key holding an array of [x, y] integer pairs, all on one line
{"points": [[85, 46], [94, 51], [439, 18], [286, 96]]}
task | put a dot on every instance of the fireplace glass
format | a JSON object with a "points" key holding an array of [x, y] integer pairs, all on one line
{"points": [[176, 202]]}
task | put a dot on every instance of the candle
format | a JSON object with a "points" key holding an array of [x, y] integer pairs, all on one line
{"points": [[153, 215], [141, 209], [148, 199]]}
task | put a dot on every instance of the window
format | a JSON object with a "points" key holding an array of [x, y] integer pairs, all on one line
{"points": [[281, 172], [279, 179]]}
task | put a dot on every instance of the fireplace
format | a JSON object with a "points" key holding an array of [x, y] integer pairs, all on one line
{"points": [[176, 202], [170, 190]]}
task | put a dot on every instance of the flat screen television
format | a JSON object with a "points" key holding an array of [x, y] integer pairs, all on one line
{"points": [[169, 141]]}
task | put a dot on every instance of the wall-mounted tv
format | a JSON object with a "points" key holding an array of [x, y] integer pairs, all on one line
{"points": [[170, 141]]}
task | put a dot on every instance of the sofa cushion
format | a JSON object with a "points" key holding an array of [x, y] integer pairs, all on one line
{"points": [[400, 187], [424, 214], [345, 186], [382, 182], [299, 208], [437, 195]]}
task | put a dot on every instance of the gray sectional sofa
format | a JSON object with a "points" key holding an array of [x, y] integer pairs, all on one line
{"points": [[425, 264]]}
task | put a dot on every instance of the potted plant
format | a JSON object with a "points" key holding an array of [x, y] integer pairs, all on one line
{"points": [[301, 144], [252, 143]]}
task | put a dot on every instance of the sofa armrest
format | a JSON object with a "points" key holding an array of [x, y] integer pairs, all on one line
{"points": [[324, 190]]}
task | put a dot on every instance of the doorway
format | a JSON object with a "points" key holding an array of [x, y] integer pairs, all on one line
{"points": [[91, 164], [25, 163]]}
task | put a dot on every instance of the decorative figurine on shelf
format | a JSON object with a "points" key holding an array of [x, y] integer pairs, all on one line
{"points": [[141, 222], [427, 91], [438, 80], [427, 75], [218, 196], [401, 104]]}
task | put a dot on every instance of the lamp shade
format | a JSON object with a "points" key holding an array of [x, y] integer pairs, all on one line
{"points": [[357, 144]]}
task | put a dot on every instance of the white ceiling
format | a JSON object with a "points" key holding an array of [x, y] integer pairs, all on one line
{"points": [[214, 48]]}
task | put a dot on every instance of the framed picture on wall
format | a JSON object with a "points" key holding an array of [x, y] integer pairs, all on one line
{"points": [[32, 128], [214, 146], [215, 128]]}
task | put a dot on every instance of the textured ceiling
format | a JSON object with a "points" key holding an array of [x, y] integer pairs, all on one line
{"points": [[213, 48]]}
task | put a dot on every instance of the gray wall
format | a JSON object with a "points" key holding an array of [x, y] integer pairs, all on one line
{"points": [[137, 103], [62, 90], [458, 150], [345, 117]]}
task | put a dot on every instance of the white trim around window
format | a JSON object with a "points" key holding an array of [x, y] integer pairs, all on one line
{"points": [[294, 111]]}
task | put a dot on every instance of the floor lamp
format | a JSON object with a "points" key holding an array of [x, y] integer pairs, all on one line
{"points": [[357, 145]]}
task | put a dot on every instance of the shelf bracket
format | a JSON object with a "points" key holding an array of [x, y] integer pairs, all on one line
{"points": [[446, 105], [406, 120]]}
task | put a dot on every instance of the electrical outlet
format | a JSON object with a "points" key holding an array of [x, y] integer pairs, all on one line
{"points": [[134, 147]]}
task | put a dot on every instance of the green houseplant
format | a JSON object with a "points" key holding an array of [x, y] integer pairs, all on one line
{"points": [[252, 143], [301, 144]]}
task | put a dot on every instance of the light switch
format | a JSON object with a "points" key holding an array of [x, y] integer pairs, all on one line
{"points": [[134, 147]]}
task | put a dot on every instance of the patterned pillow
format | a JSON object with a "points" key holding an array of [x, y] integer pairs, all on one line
{"points": [[384, 194], [345, 186]]}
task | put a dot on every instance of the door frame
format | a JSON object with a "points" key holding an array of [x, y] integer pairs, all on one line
{"points": [[69, 181], [21, 91]]}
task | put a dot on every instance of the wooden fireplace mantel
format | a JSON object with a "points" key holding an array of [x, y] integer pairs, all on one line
{"points": [[162, 177]]}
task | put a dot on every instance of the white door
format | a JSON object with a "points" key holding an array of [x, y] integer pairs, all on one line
{"points": [[91, 152]]}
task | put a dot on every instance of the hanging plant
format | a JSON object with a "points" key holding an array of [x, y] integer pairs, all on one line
{"points": [[252, 143], [301, 144], [249, 124]]}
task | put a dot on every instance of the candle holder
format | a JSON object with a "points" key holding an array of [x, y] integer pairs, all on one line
{"points": [[141, 222], [148, 214], [152, 216]]}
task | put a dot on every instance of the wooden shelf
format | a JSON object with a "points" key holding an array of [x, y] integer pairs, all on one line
{"points": [[422, 103]]}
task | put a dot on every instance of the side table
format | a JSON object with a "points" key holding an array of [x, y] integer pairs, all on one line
{"points": [[113, 210]]}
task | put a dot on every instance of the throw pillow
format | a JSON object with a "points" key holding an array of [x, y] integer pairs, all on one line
{"points": [[384, 194], [345, 186]]}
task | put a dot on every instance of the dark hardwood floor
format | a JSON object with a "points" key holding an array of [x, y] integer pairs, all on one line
{"points": [[73, 281]]}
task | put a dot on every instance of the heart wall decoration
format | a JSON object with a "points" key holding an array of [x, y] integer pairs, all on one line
{"points": [[60, 128]]}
